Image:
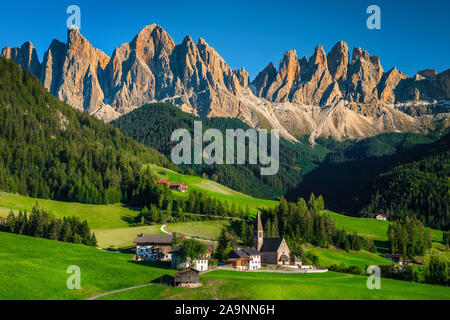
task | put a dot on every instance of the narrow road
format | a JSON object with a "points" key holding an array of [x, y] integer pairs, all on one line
{"points": [[163, 229], [116, 291]]}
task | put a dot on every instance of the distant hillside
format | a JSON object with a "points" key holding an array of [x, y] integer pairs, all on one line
{"points": [[50, 150], [419, 187], [153, 125], [409, 172], [341, 171]]}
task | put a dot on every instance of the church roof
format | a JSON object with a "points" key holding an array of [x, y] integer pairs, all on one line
{"points": [[271, 244], [284, 258], [252, 252]]}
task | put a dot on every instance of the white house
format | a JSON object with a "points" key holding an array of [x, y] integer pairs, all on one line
{"points": [[200, 264], [255, 259]]}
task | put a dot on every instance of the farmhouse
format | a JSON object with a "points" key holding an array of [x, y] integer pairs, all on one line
{"points": [[188, 278], [381, 217], [200, 264], [239, 260], [245, 259], [3, 220], [180, 186], [396, 257], [273, 250], [153, 247]]}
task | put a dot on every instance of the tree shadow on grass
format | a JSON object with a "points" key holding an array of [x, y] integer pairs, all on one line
{"points": [[382, 246], [234, 226], [166, 280], [154, 264], [132, 218]]}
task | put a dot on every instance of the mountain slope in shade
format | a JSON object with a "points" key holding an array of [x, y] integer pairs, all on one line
{"points": [[49, 150], [335, 94]]}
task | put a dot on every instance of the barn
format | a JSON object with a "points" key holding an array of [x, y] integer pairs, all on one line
{"points": [[188, 278]]}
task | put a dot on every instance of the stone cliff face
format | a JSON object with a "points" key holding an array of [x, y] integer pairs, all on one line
{"points": [[328, 95], [331, 95], [25, 56]]}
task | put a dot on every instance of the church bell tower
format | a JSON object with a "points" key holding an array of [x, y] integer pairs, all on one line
{"points": [[258, 234]]}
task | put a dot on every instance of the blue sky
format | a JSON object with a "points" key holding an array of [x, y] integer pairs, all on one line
{"points": [[414, 35]]}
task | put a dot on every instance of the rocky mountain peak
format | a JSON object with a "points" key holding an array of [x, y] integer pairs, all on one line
{"points": [[74, 35], [338, 60], [152, 42], [388, 83], [264, 79], [289, 69], [364, 75], [319, 57], [359, 53], [243, 77], [219, 74], [26, 56], [428, 73], [325, 95]]}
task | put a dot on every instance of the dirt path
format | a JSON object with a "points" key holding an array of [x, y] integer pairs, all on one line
{"points": [[116, 291]]}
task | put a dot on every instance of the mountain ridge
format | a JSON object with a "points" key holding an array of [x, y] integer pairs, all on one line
{"points": [[342, 95]]}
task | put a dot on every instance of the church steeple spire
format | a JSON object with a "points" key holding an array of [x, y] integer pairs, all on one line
{"points": [[259, 226], [258, 234]]}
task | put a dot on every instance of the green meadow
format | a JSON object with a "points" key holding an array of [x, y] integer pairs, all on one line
{"points": [[233, 285], [122, 237], [373, 228], [32, 268], [98, 216], [328, 257], [213, 189], [111, 226], [207, 230]]}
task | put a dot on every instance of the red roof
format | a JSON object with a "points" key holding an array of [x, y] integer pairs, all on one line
{"points": [[178, 184], [162, 181]]}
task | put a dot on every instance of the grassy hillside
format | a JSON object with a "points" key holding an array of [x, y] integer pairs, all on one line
{"points": [[233, 285], [32, 268], [208, 230], [214, 189], [373, 228], [98, 216], [109, 222], [328, 257], [122, 237]]}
